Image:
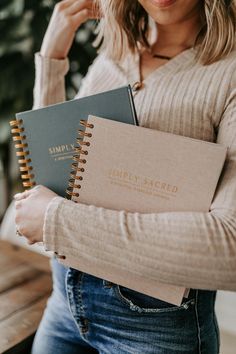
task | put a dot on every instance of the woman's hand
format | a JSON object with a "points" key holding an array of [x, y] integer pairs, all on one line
{"points": [[30, 207], [67, 17]]}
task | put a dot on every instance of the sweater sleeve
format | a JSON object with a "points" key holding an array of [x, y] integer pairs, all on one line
{"points": [[190, 249], [49, 85]]}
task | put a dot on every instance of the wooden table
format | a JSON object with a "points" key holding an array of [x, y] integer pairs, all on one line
{"points": [[25, 284]]}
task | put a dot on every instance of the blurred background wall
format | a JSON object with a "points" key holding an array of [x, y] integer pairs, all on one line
{"points": [[22, 26]]}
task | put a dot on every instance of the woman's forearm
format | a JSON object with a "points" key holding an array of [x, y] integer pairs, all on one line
{"points": [[194, 250], [52, 64]]}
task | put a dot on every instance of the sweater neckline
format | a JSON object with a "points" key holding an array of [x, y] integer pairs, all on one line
{"points": [[170, 66]]}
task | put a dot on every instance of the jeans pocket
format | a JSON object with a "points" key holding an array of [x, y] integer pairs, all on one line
{"points": [[143, 303]]}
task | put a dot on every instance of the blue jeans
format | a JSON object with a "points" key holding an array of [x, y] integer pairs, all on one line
{"points": [[86, 314]]}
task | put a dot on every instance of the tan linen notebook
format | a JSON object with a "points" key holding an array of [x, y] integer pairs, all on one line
{"points": [[137, 169]]}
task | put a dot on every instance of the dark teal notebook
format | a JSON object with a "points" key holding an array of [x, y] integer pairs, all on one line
{"points": [[45, 138]]}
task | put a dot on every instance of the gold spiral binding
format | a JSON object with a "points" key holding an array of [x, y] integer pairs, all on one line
{"points": [[72, 184], [27, 176], [73, 174], [75, 177], [81, 142], [80, 151], [83, 133], [28, 184], [25, 168], [86, 124], [19, 138], [15, 122], [24, 161], [22, 153], [17, 130], [76, 158], [21, 146]]}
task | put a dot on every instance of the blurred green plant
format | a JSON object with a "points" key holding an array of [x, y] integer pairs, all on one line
{"points": [[22, 27]]}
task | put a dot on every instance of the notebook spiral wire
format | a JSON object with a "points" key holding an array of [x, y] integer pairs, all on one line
{"points": [[22, 153], [79, 158]]}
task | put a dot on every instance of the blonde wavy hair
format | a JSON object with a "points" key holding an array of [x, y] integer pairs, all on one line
{"points": [[125, 25]]}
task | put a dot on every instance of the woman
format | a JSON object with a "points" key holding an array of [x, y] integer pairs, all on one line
{"points": [[185, 67]]}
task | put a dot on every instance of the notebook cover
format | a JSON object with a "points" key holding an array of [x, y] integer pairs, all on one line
{"points": [[51, 132], [147, 171]]}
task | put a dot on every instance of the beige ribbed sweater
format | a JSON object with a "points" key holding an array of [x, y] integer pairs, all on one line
{"points": [[190, 249]]}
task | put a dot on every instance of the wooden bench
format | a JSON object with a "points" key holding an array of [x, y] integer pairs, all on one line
{"points": [[25, 285]]}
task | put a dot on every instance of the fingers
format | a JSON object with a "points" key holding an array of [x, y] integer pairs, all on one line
{"points": [[78, 6], [31, 242], [18, 233], [72, 7], [81, 11], [20, 196], [25, 194], [67, 17], [82, 17]]}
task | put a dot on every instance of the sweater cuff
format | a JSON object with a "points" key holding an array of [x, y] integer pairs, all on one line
{"points": [[46, 64], [50, 239], [49, 80]]}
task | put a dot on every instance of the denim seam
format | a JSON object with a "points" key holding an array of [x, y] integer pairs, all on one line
{"points": [[198, 325], [139, 309], [216, 327], [79, 299], [74, 299], [70, 295]]}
